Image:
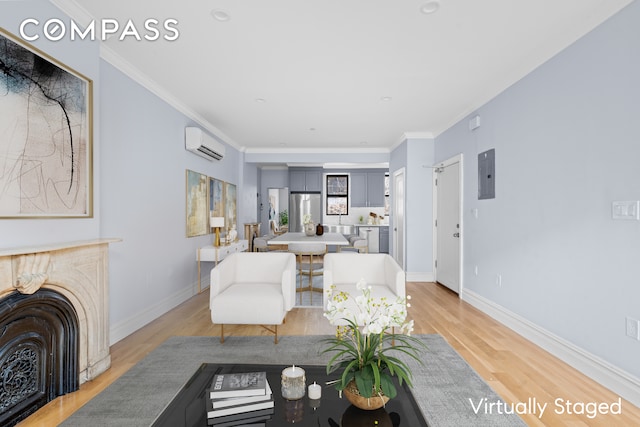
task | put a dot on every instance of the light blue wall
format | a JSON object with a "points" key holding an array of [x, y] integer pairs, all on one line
{"points": [[567, 145], [82, 56], [143, 200], [139, 185], [248, 198], [413, 155], [419, 208]]}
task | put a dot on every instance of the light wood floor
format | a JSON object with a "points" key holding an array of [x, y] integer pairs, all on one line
{"points": [[515, 368]]}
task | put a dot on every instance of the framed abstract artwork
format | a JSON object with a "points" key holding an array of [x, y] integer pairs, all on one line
{"points": [[197, 211], [46, 135], [231, 205], [217, 205]]}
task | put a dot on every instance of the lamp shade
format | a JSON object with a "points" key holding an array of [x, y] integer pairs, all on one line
{"points": [[217, 221]]}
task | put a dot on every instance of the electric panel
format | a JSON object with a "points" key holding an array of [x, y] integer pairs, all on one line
{"points": [[487, 174]]}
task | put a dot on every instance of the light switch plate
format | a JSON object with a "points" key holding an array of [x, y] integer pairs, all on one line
{"points": [[629, 209], [633, 328]]}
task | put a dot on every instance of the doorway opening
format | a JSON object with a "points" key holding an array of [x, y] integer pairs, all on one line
{"points": [[399, 217]]}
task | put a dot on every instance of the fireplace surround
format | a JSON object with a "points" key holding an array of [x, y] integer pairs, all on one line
{"points": [[54, 322]]}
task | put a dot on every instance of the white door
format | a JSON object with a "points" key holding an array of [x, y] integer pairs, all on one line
{"points": [[448, 226], [398, 217]]}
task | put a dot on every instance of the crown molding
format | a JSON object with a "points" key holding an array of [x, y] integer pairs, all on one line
{"points": [[317, 150], [411, 135], [274, 167], [418, 135], [138, 76], [81, 16], [74, 10]]}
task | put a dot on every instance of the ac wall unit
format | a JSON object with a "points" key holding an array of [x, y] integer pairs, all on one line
{"points": [[202, 144]]}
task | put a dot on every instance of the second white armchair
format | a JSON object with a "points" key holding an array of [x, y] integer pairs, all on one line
{"points": [[380, 271]]}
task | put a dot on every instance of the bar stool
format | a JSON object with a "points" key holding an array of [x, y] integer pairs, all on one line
{"points": [[310, 262], [361, 245], [356, 242], [260, 244]]}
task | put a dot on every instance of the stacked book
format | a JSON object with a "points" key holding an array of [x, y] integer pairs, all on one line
{"points": [[239, 399]]}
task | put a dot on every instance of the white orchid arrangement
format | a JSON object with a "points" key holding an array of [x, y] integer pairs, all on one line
{"points": [[306, 219], [362, 347], [375, 315]]}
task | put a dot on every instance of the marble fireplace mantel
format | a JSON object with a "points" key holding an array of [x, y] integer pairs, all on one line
{"points": [[78, 270]]}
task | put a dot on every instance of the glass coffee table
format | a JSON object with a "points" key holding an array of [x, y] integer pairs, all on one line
{"points": [[188, 408]]}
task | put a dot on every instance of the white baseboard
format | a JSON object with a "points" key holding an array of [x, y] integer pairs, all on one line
{"points": [[128, 326], [413, 276], [615, 379]]}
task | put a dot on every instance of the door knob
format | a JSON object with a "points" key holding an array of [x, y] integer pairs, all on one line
{"points": [[456, 234]]}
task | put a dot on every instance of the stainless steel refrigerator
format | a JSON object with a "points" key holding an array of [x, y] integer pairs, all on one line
{"points": [[301, 204]]}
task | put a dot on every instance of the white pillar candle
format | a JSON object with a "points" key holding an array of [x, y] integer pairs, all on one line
{"points": [[293, 383], [315, 391]]}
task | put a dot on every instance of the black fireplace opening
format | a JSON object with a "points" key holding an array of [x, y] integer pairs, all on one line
{"points": [[38, 352]]}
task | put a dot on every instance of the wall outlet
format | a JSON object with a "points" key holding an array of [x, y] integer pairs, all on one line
{"points": [[475, 270], [499, 280], [633, 328], [629, 210]]}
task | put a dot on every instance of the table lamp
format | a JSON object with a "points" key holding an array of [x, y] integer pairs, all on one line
{"points": [[217, 222]]}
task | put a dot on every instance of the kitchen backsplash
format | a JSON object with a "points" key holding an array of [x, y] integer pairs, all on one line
{"points": [[354, 216]]}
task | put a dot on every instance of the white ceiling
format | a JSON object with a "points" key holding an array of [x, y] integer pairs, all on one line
{"points": [[322, 67]]}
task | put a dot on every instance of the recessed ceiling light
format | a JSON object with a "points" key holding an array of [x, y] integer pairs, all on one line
{"points": [[312, 129], [261, 100], [431, 6], [386, 98], [363, 142], [220, 15]]}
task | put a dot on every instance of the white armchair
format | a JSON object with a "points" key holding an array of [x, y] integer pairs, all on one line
{"points": [[251, 288], [380, 271]]}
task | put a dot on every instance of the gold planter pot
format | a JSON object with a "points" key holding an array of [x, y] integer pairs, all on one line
{"points": [[367, 403]]}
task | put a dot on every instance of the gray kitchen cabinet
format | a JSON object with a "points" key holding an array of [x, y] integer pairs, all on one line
{"points": [[302, 180], [313, 180], [375, 189], [358, 190], [367, 189]]}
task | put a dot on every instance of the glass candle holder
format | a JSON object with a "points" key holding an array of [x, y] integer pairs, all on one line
{"points": [[315, 391], [293, 383]]}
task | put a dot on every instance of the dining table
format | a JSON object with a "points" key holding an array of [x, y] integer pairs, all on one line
{"points": [[290, 237], [300, 237]]}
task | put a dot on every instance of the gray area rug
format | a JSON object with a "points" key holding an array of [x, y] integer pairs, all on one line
{"points": [[443, 385]]}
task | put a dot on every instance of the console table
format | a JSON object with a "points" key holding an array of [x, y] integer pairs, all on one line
{"points": [[218, 253]]}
